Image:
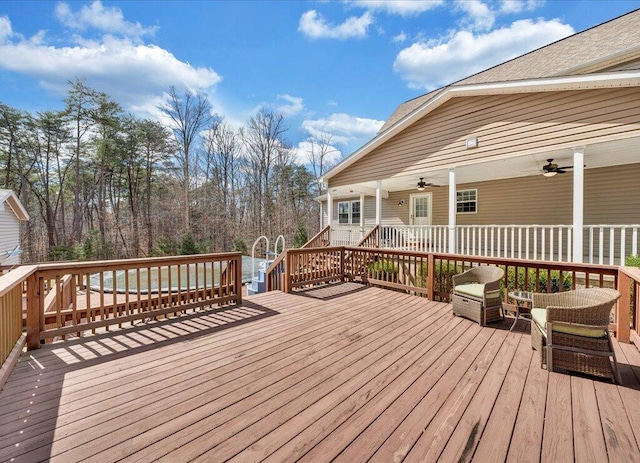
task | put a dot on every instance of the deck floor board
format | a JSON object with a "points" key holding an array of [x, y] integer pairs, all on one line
{"points": [[337, 373]]}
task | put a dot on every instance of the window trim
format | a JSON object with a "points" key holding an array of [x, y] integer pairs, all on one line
{"points": [[350, 212], [459, 202]]}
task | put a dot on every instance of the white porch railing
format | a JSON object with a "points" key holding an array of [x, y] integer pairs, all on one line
{"points": [[347, 235], [610, 244], [602, 244]]}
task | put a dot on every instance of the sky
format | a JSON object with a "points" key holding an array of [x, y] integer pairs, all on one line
{"points": [[333, 68]]}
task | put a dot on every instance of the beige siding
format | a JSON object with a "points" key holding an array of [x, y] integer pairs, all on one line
{"points": [[612, 196], [505, 125]]}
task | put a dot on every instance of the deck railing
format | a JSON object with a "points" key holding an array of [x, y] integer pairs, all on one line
{"points": [[320, 240], [12, 338], [71, 298], [430, 274], [603, 244]]}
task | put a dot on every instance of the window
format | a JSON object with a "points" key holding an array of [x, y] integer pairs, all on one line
{"points": [[343, 212], [349, 212], [467, 201], [355, 212]]}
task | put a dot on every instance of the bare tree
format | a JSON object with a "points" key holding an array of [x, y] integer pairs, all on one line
{"points": [[189, 114], [81, 102], [319, 151], [263, 139]]}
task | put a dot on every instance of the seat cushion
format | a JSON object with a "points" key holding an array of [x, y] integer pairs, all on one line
{"points": [[540, 317], [470, 289]]}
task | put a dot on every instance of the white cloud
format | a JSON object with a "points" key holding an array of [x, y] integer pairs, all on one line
{"points": [[479, 15], [343, 129], [133, 74], [293, 107], [314, 25], [401, 37], [302, 153], [96, 16], [400, 7], [5, 29], [518, 6], [429, 65]]}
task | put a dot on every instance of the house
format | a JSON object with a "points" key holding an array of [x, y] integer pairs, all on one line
{"points": [[537, 158], [12, 212]]}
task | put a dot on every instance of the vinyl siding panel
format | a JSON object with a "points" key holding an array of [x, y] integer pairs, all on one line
{"points": [[612, 196], [9, 235], [506, 125]]}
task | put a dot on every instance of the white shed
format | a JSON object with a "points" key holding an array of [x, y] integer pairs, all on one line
{"points": [[12, 212]]}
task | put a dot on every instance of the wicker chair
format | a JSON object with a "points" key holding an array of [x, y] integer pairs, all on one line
{"points": [[477, 296], [570, 330]]}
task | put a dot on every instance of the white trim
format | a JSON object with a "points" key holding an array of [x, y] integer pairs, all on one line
{"points": [[378, 202], [578, 203], [453, 208], [11, 199], [553, 84], [330, 208], [476, 201]]}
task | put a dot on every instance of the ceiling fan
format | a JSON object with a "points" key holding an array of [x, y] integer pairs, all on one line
{"points": [[550, 169], [422, 184]]}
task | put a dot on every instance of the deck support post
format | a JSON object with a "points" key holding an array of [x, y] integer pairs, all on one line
{"points": [[452, 211], [578, 203]]}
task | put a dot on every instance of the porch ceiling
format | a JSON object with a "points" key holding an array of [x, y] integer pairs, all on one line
{"points": [[611, 153]]}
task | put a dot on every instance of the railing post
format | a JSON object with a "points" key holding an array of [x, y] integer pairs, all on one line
{"points": [[431, 276], [33, 312], [238, 282], [624, 303], [286, 278], [342, 256]]}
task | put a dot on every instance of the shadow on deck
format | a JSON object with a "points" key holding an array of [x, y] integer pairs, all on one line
{"points": [[342, 372]]}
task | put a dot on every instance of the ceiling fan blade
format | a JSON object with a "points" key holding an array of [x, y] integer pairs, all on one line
{"points": [[560, 170]]}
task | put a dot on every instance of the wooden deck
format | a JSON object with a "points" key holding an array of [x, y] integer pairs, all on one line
{"points": [[343, 373]]}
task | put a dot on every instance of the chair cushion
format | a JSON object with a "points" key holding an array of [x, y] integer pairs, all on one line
{"points": [[470, 289], [540, 317]]}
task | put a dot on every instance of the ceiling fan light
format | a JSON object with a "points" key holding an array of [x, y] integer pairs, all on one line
{"points": [[421, 188], [549, 173]]}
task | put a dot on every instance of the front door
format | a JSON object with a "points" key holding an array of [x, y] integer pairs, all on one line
{"points": [[420, 213]]}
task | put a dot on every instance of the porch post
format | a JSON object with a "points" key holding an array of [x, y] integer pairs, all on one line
{"points": [[452, 211], [361, 215], [378, 202], [578, 203], [329, 209]]}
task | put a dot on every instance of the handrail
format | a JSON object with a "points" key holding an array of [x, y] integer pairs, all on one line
{"points": [[371, 239], [253, 254], [320, 239], [273, 282]]}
